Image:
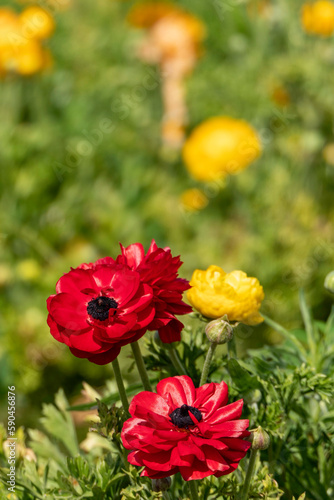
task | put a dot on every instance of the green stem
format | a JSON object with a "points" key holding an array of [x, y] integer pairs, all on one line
{"points": [[174, 357], [120, 385], [231, 349], [249, 475], [207, 363], [193, 490], [165, 495], [141, 366]]}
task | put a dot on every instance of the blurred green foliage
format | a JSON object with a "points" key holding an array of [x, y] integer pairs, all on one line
{"points": [[82, 169]]}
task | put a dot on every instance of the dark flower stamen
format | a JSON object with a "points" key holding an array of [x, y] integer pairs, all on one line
{"points": [[99, 308], [181, 418]]}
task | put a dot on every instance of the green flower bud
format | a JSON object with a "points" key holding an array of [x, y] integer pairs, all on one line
{"points": [[219, 331], [329, 282], [162, 484], [252, 396], [260, 439]]}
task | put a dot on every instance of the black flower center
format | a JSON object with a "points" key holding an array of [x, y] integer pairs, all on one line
{"points": [[181, 418], [99, 308]]}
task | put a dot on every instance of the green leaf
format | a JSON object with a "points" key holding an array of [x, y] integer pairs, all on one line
{"points": [[241, 377], [58, 423], [309, 326]]}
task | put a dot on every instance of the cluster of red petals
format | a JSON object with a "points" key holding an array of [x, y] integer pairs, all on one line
{"points": [[159, 269], [100, 307], [213, 445]]}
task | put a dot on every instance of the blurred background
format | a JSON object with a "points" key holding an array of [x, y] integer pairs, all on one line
{"points": [[86, 164]]}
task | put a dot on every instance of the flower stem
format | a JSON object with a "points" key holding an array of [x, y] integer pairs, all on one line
{"points": [[120, 385], [165, 495], [141, 366], [250, 471], [193, 490], [207, 363], [174, 357]]}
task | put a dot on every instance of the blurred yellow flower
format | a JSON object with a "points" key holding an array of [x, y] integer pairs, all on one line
{"points": [[194, 199], [20, 49], [318, 18], [28, 269], [220, 146], [215, 293], [28, 60], [36, 23]]}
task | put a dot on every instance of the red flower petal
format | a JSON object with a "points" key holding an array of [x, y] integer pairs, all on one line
{"points": [[234, 428], [171, 332], [142, 299], [122, 282], [228, 412], [155, 461], [177, 390], [69, 311], [236, 444], [198, 470], [217, 399], [158, 475], [75, 281], [118, 330], [148, 401], [133, 254], [86, 342], [214, 460], [104, 358]]}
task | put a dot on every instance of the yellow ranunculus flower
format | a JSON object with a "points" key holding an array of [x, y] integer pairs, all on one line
{"points": [[194, 199], [318, 18], [215, 293], [220, 146], [36, 23]]}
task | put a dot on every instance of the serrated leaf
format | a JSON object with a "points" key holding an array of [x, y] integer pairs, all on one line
{"points": [[58, 423], [43, 447]]}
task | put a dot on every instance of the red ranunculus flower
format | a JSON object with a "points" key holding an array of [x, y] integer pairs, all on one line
{"points": [[102, 306], [98, 310], [158, 269], [186, 430]]}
